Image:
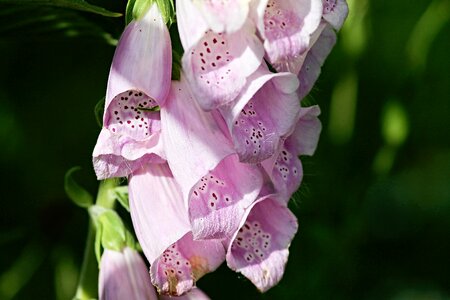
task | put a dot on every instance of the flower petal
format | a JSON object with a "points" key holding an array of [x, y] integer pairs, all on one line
{"points": [[286, 26], [218, 65], [194, 142], [194, 294], [305, 137], [259, 249], [139, 63], [157, 209], [123, 275], [219, 199], [190, 23], [183, 263], [335, 12], [224, 16], [255, 129]]}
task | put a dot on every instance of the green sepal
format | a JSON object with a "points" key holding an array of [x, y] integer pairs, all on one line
{"points": [[98, 242], [71, 4], [121, 193], [98, 111], [76, 193], [113, 231], [136, 9]]}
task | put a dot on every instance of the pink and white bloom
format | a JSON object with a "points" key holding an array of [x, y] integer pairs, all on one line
{"points": [[285, 168], [216, 64], [139, 80], [335, 12], [286, 26], [123, 275], [217, 188], [259, 249], [162, 227], [264, 112]]}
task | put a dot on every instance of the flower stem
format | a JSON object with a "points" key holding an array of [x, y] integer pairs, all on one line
{"points": [[88, 282]]}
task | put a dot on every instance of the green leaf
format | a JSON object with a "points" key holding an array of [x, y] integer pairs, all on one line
{"points": [[71, 4], [76, 193], [113, 230], [121, 193]]}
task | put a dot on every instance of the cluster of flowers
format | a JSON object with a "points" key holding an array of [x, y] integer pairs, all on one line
{"points": [[212, 159]]}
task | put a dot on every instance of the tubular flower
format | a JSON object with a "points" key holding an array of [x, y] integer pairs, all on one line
{"points": [[215, 185], [259, 249], [286, 26], [123, 275], [285, 168], [162, 227], [216, 64], [255, 129], [139, 80]]}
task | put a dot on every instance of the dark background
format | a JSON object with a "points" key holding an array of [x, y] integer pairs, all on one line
{"points": [[374, 206]]}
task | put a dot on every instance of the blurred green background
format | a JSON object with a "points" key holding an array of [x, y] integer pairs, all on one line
{"points": [[374, 207]]}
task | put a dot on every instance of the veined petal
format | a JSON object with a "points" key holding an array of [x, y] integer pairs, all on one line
{"points": [[183, 263], [285, 168], [139, 63], [194, 142], [190, 23], [157, 209], [194, 294], [255, 129], [123, 275], [259, 249], [335, 12], [286, 26], [218, 65], [224, 16], [219, 199]]}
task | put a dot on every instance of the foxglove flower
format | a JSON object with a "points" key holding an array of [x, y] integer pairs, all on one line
{"points": [[264, 112], [216, 64], [285, 168], [335, 12], [162, 227], [259, 249], [194, 294], [139, 80], [286, 26], [123, 275], [215, 185]]}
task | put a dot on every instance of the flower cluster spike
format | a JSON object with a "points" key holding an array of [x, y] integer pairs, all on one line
{"points": [[212, 169]]}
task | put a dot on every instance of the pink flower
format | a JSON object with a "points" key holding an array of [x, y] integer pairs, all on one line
{"points": [[286, 26], [139, 80], [216, 64], [259, 249], [285, 168], [335, 12], [264, 112], [217, 188], [123, 275], [161, 223]]}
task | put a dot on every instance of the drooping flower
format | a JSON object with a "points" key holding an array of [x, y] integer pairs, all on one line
{"points": [[264, 112], [216, 64], [259, 249], [215, 185], [335, 12], [285, 168], [139, 80], [162, 227], [123, 275], [286, 26]]}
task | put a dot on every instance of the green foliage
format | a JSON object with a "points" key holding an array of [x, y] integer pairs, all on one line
{"points": [[76, 193]]}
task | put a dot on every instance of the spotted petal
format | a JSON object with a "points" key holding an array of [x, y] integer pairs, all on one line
{"points": [[259, 249], [139, 63], [286, 26], [255, 129], [183, 263], [123, 275], [335, 12], [217, 64]]}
